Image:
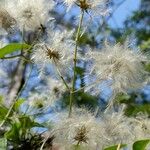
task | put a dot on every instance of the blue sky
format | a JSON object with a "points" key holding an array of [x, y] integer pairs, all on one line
{"points": [[120, 14], [123, 12]]}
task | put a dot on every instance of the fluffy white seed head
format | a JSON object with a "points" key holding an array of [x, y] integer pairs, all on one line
{"points": [[95, 7], [119, 65], [81, 128], [115, 129], [47, 94], [29, 14], [55, 88], [37, 101], [58, 51], [111, 128], [141, 126], [7, 22]]}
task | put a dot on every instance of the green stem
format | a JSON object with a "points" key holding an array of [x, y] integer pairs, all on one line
{"points": [[13, 104], [11, 57], [76, 147], [63, 80], [75, 63], [119, 145], [17, 56]]}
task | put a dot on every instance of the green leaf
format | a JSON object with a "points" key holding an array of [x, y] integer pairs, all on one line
{"points": [[141, 145], [18, 103], [147, 67], [3, 112], [122, 98], [14, 132], [3, 144], [80, 70], [10, 48], [20, 128], [115, 147], [28, 123], [1, 99], [134, 109]]}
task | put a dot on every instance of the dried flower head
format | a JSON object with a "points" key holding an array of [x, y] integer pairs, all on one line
{"points": [[84, 5], [81, 135], [142, 123], [55, 88], [7, 22], [47, 94], [81, 129], [29, 14], [38, 101], [53, 54], [57, 51], [115, 129], [95, 7], [122, 67]]}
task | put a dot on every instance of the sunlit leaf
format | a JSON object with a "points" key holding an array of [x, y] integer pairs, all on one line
{"points": [[10, 48], [1, 99], [115, 147], [3, 112], [18, 103], [3, 143], [27, 123], [13, 133], [141, 145]]}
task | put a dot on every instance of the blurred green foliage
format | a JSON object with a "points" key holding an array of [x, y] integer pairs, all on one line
{"points": [[133, 107], [81, 99], [138, 28], [141, 145], [18, 132]]}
